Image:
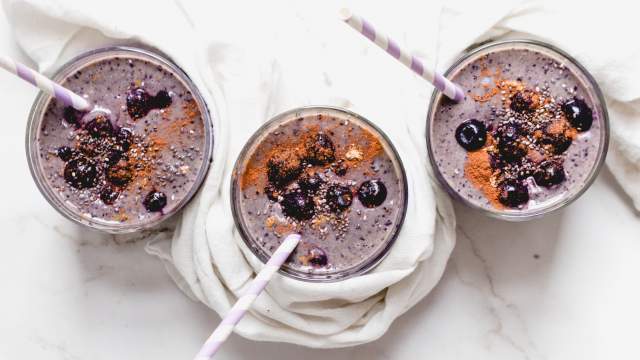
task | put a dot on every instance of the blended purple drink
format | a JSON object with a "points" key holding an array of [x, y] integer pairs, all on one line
{"points": [[529, 136], [137, 156], [328, 175]]}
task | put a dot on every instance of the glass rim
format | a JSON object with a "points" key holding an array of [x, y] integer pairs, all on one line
{"points": [[360, 269], [41, 102], [596, 92]]}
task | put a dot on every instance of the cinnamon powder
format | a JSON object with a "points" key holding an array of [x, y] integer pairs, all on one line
{"points": [[366, 144], [477, 169]]}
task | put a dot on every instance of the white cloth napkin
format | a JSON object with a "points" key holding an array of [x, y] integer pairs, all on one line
{"points": [[254, 60]]}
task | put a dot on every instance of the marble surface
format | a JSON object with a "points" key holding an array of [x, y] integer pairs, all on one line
{"points": [[563, 287]]}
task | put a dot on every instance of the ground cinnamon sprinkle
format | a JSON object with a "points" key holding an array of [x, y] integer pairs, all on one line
{"points": [[255, 172], [557, 127], [142, 155], [477, 170], [364, 148]]}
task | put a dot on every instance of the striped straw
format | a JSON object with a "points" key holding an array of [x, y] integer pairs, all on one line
{"points": [[441, 83], [239, 309], [68, 97]]}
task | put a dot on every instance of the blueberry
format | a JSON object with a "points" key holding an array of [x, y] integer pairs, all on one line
{"points": [[508, 132], [339, 197], [511, 151], [578, 113], [138, 103], [559, 142], [319, 149], [161, 100], [155, 201], [81, 173], [109, 194], [72, 116], [100, 126], [522, 102], [283, 168], [471, 134], [113, 156], [509, 145], [317, 257], [272, 193], [311, 182], [549, 173], [65, 153], [124, 138], [297, 205], [119, 174], [372, 193], [513, 193]]}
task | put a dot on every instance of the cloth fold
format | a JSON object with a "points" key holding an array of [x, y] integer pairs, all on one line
{"points": [[251, 65]]}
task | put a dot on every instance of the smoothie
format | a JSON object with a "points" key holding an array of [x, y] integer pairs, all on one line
{"points": [[138, 155], [328, 175], [529, 136]]}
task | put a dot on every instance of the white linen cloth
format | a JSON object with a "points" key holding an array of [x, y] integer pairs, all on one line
{"points": [[253, 60]]}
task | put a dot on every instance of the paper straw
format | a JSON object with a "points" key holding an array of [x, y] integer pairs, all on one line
{"points": [[441, 83], [68, 97], [239, 309]]}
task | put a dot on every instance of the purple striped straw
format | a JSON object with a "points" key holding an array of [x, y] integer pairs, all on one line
{"points": [[239, 309], [441, 83], [68, 97]]}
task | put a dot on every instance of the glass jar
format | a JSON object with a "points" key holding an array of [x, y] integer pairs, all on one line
{"points": [[366, 240], [448, 159], [38, 153]]}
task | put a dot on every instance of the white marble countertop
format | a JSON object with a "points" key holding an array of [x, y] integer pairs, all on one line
{"points": [[564, 287]]}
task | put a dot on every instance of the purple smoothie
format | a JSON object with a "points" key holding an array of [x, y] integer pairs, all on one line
{"points": [[529, 135], [134, 159], [328, 175]]}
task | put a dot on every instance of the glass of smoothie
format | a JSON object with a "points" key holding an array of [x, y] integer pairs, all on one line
{"points": [[137, 157], [530, 135], [329, 175]]}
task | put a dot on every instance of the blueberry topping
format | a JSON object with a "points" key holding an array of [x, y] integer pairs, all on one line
{"points": [[513, 193], [114, 156], [339, 197], [511, 151], [119, 174], [471, 134], [578, 113], [320, 149], [161, 100], [124, 138], [100, 126], [508, 132], [283, 168], [522, 102], [138, 103], [559, 142], [109, 194], [64, 153], [72, 116], [509, 145], [317, 257], [297, 205], [550, 173], [155, 201], [272, 193], [310, 182], [81, 173], [372, 193]]}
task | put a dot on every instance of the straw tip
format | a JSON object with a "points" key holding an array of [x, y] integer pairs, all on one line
{"points": [[345, 14]]}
